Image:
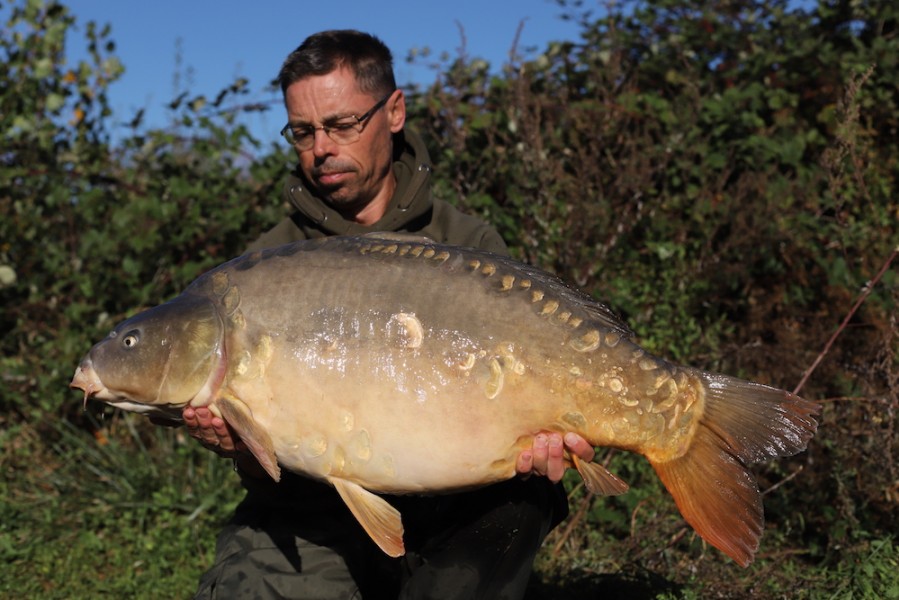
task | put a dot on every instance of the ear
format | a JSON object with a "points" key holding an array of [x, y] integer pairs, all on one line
{"points": [[396, 111]]}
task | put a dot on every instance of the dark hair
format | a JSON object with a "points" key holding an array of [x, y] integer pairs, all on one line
{"points": [[365, 55]]}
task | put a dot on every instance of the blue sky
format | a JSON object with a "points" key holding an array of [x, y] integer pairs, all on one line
{"points": [[222, 40]]}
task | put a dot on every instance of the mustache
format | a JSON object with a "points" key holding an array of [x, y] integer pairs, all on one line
{"points": [[332, 166]]}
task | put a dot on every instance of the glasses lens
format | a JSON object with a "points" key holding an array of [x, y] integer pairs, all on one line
{"points": [[343, 134], [300, 138], [303, 140]]}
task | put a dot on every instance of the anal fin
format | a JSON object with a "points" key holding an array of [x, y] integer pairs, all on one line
{"points": [[240, 418], [380, 520], [598, 479]]}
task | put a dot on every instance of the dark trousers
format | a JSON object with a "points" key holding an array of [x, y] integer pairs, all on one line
{"points": [[478, 544]]}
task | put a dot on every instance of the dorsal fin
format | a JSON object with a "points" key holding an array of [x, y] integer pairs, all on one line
{"points": [[398, 236]]}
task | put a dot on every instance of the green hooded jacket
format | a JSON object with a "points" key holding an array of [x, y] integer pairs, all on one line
{"points": [[412, 209]]}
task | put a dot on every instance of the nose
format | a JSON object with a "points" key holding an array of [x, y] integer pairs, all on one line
{"points": [[322, 144]]}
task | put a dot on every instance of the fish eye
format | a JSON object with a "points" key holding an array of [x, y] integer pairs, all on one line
{"points": [[131, 339]]}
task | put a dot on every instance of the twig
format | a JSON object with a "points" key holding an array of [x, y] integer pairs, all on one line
{"points": [[678, 536], [851, 399], [513, 51], [572, 523], [634, 518], [865, 293], [783, 481]]}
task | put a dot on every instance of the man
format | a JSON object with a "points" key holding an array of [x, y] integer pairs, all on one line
{"points": [[360, 171]]}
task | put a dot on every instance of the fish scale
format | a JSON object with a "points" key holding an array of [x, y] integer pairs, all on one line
{"points": [[390, 363]]}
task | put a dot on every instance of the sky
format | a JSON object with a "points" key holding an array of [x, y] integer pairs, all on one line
{"points": [[219, 41]]}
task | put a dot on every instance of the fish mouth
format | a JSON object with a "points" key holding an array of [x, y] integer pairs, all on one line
{"points": [[87, 380]]}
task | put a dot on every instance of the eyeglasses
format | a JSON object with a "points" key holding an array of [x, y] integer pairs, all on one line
{"points": [[343, 131]]}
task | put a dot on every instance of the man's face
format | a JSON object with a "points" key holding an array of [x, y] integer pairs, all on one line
{"points": [[356, 178]]}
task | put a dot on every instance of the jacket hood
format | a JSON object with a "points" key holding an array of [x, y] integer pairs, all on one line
{"points": [[412, 199]]}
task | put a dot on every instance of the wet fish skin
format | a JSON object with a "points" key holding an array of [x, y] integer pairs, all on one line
{"points": [[399, 365]]}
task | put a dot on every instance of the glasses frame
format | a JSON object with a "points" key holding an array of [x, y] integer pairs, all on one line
{"points": [[287, 130]]}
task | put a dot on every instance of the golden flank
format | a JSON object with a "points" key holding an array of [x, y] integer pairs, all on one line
{"points": [[393, 364]]}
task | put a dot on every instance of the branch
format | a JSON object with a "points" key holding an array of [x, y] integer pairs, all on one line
{"points": [[865, 293]]}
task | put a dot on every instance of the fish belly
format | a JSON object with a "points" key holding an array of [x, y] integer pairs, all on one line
{"points": [[395, 420]]}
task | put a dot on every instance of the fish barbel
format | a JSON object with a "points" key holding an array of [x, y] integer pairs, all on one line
{"points": [[396, 365]]}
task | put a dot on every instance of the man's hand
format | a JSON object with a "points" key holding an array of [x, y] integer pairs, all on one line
{"points": [[212, 432], [215, 435], [546, 456]]}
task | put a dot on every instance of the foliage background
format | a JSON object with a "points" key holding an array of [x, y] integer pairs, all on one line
{"points": [[722, 173]]}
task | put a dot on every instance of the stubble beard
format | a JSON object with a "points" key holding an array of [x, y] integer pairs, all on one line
{"points": [[347, 201]]}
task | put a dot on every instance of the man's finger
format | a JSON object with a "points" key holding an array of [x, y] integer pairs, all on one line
{"points": [[555, 464], [540, 454], [525, 463], [579, 446]]}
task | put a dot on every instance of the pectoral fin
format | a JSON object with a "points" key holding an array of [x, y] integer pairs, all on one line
{"points": [[379, 519], [240, 418], [598, 479]]}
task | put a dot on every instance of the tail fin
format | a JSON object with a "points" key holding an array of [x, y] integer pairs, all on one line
{"points": [[743, 423]]}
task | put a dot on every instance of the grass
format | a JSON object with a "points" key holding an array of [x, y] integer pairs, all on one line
{"points": [[130, 512]]}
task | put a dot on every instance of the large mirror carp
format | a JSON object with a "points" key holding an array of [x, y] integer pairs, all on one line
{"points": [[393, 364]]}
